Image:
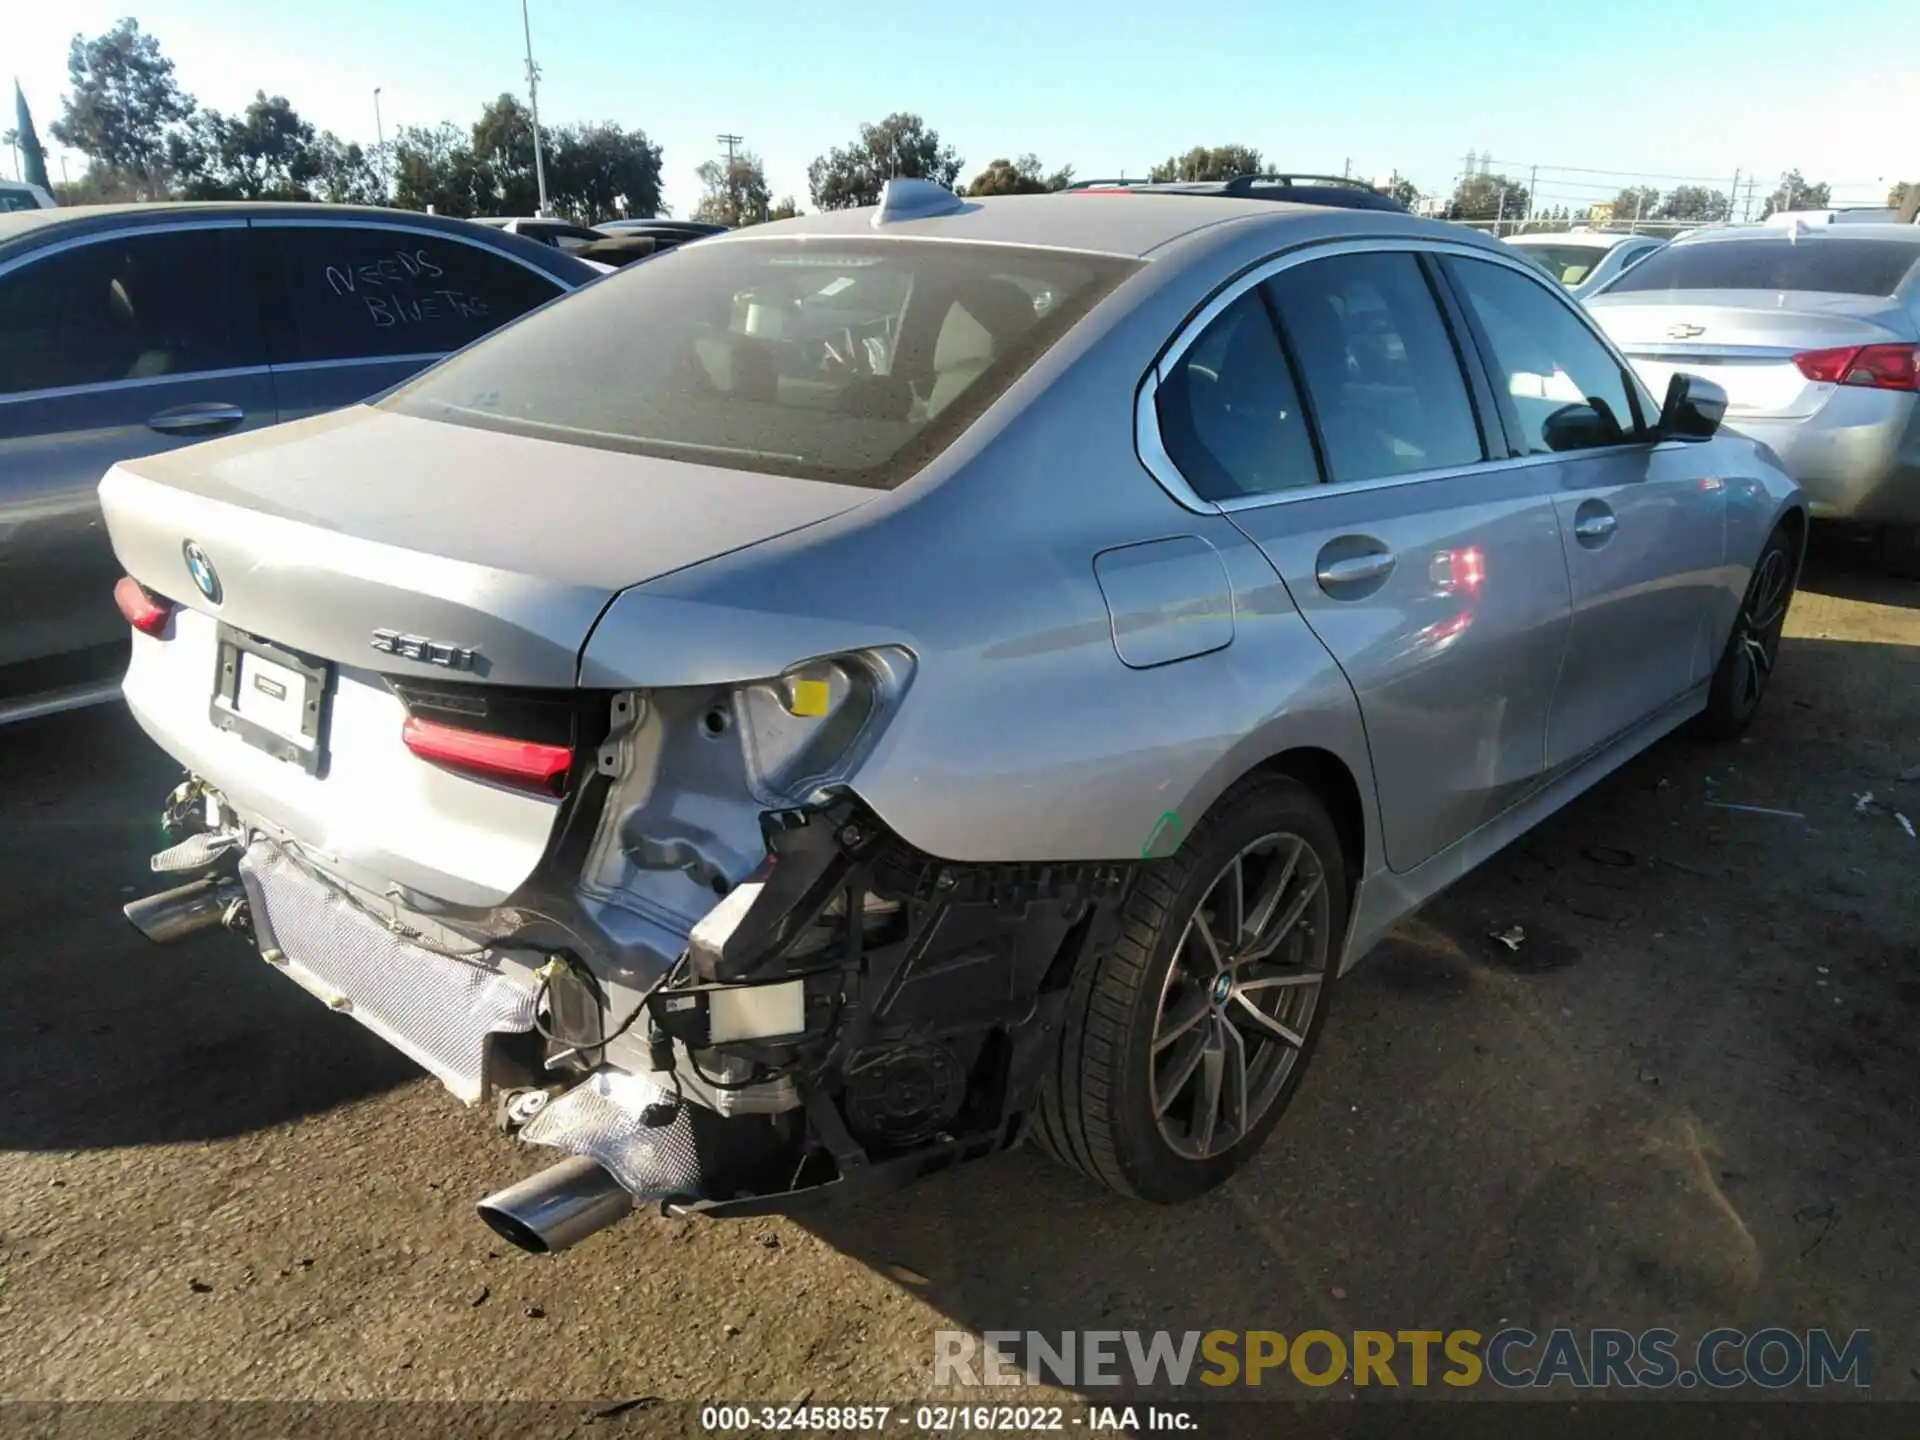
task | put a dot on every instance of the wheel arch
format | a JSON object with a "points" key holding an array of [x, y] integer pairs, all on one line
{"points": [[1333, 784]]}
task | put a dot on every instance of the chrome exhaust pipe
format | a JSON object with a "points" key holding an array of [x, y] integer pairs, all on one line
{"points": [[175, 914], [557, 1208]]}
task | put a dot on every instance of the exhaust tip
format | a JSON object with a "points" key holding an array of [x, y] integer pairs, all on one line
{"points": [[512, 1229], [185, 910], [558, 1207]]}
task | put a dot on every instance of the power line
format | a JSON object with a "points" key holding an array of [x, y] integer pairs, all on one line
{"points": [[729, 141], [1587, 170]]}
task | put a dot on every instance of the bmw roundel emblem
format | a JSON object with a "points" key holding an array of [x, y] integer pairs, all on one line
{"points": [[201, 568]]}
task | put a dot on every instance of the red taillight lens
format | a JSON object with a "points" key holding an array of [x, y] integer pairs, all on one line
{"points": [[145, 611], [524, 764], [1878, 367]]}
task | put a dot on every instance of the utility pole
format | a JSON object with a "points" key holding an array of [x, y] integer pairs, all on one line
{"points": [[533, 97], [1639, 203], [380, 138], [1533, 184], [734, 198], [729, 141], [1733, 195]]}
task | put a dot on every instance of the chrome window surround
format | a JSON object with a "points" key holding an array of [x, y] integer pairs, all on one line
{"points": [[102, 237], [1152, 449]]}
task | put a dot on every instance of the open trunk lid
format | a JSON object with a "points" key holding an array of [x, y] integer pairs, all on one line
{"points": [[360, 558], [1745, 341]]}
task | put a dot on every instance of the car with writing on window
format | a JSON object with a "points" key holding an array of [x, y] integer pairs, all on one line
{"points": [[980, 668], [1813, 330], [131, 330]]}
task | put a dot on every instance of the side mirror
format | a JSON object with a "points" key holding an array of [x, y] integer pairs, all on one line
{"points": [[1693, 410], [1578, 427]]}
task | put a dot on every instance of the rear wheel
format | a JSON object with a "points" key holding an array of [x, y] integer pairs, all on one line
{"points": [[1746, 667], [1184, 1044]]}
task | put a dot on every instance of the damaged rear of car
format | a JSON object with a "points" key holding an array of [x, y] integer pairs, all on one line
{"points": [[545, 717]]}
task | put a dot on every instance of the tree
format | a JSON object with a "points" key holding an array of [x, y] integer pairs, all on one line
{"points": [[264, 153], [787, 209], [124, 99], [899, 147], [1636, 202], [1488, 197], [1694, 202], [1404, 190], [33, 155], [345, 174], [503, 151], [1019, 177], [598, 171], [737, 191], [1221, 162], [1795, 193], [437, 169]]}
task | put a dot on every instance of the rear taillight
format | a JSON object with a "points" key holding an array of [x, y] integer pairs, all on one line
{"points": [[1878, 367], [523, 764], [145, 611]]}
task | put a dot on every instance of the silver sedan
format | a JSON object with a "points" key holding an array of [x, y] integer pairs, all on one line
{"points": [[969, 669], [1813, 330]]}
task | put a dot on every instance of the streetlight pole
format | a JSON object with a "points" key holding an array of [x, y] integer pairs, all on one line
{"points": [[533, 96], [380, 139]]}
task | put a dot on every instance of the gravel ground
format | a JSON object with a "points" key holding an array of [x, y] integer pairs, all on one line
{"points": [[1686, 1099]]}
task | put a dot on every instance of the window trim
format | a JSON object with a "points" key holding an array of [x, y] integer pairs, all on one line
{"points": [[8, 265], [1152, 450]]}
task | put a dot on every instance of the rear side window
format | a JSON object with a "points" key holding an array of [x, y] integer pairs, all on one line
{"points": [[142, 307], [362, 292], [1229, 415], [1379, 366], [1825, 263], [854, 360]]}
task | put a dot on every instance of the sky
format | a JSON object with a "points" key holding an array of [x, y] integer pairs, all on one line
{"points": [[1595, 95]]}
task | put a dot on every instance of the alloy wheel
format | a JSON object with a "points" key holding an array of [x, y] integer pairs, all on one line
{"points": [[1239, 999], [1757, 644]]}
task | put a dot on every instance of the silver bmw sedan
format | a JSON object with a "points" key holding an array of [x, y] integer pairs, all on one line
{"points": [[817, 707]]}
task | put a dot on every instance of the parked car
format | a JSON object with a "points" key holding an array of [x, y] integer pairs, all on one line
{"points": [[1296, 188], [849, 757], [20, 195], [1813, 331], [561, 234], [667, 232], [1585, 261], [133, 329]]}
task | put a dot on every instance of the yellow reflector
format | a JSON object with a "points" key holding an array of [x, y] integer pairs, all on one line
{"points": [[810, 697]]}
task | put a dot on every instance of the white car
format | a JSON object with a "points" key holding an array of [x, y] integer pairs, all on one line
{"points": [[1585, 261], [20, 195]]}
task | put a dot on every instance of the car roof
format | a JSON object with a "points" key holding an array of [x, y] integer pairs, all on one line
{"points": [[1586, 239], [1802, 234], [26, 224], [1130, 223]]}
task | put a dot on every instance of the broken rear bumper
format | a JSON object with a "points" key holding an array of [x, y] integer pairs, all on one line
{"points": [[853, 1016]]}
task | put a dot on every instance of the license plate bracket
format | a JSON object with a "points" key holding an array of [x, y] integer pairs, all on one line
{"points": [[272, 698]]}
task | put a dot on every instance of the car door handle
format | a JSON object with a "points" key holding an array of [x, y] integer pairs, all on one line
{"points": [[1332, 574], [1596, 527], [207, 418]]}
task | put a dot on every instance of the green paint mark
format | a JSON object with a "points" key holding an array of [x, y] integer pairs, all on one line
{"points": [[1164, 837]]}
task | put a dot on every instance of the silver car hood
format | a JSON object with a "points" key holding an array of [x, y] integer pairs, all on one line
{"points": [[324, 531]]}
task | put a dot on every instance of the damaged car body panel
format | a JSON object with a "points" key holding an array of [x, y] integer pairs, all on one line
{"points": [[753, 833]]}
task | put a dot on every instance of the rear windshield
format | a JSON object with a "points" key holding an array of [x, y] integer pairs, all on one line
{"points": [[848, 360], [1825, 263]]}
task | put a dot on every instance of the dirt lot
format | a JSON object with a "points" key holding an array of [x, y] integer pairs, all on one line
{"points": [[1687, 1099]]}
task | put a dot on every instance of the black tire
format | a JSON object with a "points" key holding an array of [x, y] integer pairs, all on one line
{"points": [[1753, 649], [1097, 1111]]}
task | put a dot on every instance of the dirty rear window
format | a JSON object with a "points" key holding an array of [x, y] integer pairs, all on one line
{"points": [[847, 360], [1822, 263]]}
